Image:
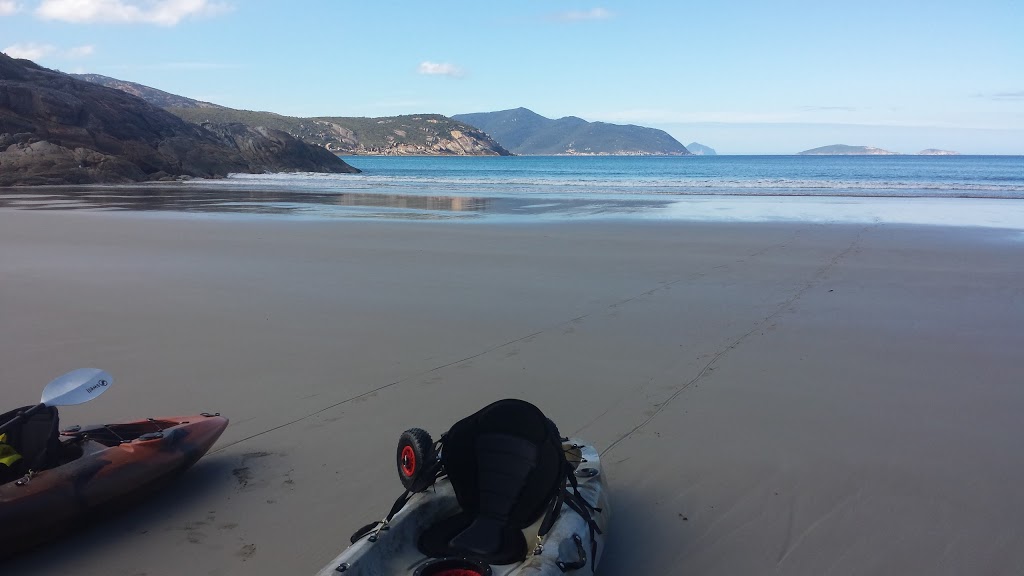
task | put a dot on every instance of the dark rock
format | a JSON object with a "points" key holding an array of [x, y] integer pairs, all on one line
{"points": [[55, 129], [278, 151]]}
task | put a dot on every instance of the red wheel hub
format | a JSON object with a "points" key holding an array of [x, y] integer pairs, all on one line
{"points": [[408, 461]]}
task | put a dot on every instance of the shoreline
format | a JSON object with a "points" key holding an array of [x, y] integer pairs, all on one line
{"points": [[241, 200]]}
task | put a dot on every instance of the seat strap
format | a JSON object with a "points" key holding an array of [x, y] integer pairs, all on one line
{"points": [[579, 504]]}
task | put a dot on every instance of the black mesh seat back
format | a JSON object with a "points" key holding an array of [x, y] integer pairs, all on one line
{"points": [[505, 462], [36, 438]]}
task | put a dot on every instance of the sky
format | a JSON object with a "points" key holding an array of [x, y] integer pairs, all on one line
{"points": [[741, 76]]}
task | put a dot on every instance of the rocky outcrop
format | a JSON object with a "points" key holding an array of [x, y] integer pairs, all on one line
{"points": [[55, 129], [455, 143], [410, 135], [698, 149], [155, 97], [937, 152], [274, 150], [25, 160]]}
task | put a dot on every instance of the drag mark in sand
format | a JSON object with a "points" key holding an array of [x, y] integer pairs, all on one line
{"points": [[818, 276], [667, 285], [377, 389], [523, 339], [790, 544]]}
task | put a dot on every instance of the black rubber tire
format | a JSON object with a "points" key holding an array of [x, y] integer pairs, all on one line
{"points": [[415, 455]]}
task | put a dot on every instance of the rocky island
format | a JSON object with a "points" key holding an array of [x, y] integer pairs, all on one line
{"points": [[937, 152], [56, 129], [699, 149], [846, 150]]}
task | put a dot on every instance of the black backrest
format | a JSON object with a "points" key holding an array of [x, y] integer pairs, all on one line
{"points": [[36, 438], [505, 462]]}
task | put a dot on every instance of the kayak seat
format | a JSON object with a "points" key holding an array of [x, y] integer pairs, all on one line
{"points": [[505, 465], [36, 438]]}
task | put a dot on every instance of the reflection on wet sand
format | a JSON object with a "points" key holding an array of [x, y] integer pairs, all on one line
{"points": [[189, 199], [306, 203]]}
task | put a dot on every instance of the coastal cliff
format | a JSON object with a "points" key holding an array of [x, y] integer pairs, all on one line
{"points": [[56, 129], [410, 135]]}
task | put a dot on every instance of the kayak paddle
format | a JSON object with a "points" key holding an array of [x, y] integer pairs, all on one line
{"points": [[75, 387]]}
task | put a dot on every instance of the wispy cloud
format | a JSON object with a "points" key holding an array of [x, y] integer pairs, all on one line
{"points": [[30, 50], [658, 116], [440, 69], [1003, 96], [581, 15], [827, 109], [197, 66], [8, 7], [38, 51], [160, 12], [81, 51], [397, 103]]}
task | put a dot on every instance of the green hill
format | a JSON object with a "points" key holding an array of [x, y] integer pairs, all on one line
{"points": [[56, 129], [525, 132], [417, 134]]}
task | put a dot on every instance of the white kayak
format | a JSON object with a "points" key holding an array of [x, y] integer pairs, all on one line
{"points": [[570, 546]]}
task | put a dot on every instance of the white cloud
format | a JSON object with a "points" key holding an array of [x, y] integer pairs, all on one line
{"points": [[81, 51], [36, 51], [582, 15], [30, 50], [439, 69], [161, 12], [8, 7], [1009, 96]]}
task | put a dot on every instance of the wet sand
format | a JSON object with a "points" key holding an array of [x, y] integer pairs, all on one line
{"points": [[771, 398]]}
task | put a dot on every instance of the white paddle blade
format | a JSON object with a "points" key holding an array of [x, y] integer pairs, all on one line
{"points": [[76, 387]]}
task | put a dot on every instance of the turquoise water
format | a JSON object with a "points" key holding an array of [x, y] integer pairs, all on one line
{"points": [[943, 190], [902, 176]]}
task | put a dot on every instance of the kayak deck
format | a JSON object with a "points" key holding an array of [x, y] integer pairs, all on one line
{"points": [[393, 549], [103, 464]]}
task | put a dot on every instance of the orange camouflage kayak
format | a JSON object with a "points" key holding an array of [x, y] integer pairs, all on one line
{"points": [[102, 465]]}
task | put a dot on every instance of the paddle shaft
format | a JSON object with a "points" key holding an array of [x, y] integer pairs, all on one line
{"points": [[21, 416]]}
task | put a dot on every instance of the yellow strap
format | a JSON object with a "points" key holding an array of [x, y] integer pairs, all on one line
{"points": [[7, 454]]}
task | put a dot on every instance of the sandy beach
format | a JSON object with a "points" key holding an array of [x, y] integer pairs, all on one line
{"points": [[771, 398]]}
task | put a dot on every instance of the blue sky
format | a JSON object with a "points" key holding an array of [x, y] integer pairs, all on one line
{"points": [[744, 77]]}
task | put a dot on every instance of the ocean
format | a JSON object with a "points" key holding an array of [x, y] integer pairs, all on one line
{"points": [[947, 190]]}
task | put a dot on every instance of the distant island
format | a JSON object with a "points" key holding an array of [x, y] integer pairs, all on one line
{"points": [[57, 129], [410, 135], [700, 149], [525, 132], [846, 150], [937, 152]]}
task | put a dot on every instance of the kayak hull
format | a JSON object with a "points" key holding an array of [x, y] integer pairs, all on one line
{"points": [[111, 463], [394, 549]]}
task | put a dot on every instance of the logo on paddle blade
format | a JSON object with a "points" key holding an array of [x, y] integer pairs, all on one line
{"points": [[96, 386]]}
